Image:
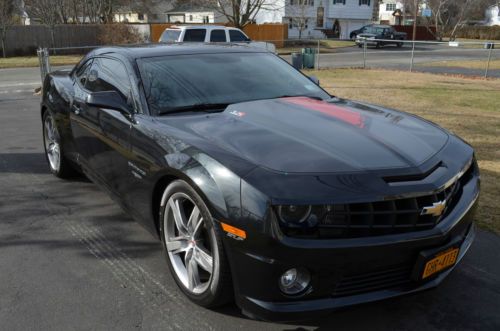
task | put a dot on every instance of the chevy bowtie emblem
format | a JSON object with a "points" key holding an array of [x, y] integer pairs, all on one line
{"points": [[436, 209]]}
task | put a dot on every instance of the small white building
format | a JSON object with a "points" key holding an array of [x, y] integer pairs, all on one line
{"points": [[387, 9], [317, 18], [492, 16], [189, 13]]}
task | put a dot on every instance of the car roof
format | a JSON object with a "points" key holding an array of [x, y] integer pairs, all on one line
{"points": [[161, 49]]}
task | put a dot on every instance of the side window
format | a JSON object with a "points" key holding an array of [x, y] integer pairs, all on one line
{"points": [[82, 72], [170, 35], [237, 36], [195, 35], [108, 75], [217, 36]]}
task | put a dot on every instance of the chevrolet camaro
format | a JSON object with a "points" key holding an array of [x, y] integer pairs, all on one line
{"points": [[263, 188]]}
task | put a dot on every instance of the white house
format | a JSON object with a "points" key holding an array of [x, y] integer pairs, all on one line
{"points": [[492, 16], [343, 16], [386, 11]]}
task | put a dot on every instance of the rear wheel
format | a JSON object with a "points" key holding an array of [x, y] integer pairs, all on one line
{"points": [[58, 164], [399, 45], [377, 45], [194, 247]]}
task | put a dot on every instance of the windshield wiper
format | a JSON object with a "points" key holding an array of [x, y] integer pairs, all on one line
{"points": [[199, 107]]}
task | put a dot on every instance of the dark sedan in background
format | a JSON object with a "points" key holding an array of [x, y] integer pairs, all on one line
{"points": [[380, 35], [264, 188]]}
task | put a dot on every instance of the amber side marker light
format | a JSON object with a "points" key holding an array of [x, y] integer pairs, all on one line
{"points": [[231, 229]]}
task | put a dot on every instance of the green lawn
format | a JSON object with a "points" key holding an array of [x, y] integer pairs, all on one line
{"points": [[32, 61], [466, 106]]}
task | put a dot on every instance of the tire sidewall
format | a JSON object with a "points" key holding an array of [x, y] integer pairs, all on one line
{"points": [[211, 294], [44, 118]]}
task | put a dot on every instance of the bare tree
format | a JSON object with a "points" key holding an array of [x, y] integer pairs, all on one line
{"points": [[241, 12], [448, 16], [300, 14], [46, 12], [7, 12]]}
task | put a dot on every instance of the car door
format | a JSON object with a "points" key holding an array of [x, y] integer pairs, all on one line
{"points": [[236, 36], [106, 145], [195, 35], [82, 126], [218, 36]]}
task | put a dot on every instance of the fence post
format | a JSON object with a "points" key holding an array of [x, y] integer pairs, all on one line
{"points": [[364, 53], [489, 60], [317, 56], [43, 59], [412, 55]]}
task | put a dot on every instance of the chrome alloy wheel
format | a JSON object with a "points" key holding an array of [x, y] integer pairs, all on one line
{"points": [[191, 244], [51, 140]]}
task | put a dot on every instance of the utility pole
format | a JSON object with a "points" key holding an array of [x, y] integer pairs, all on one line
{"points": [[415, 21]]}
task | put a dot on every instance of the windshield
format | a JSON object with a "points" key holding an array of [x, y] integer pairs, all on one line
{"points": [[180, 81], [170, 35]]}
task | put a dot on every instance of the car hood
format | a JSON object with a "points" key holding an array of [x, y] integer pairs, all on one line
{"points": [[304, 135]]}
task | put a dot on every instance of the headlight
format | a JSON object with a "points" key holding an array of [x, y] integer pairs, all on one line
{"points": [[294, 214]]}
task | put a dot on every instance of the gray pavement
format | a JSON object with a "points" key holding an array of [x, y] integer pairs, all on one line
{"points": [[70, 259]]}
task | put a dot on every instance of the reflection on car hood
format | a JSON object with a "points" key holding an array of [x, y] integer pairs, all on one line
{"points": [[310, 136]]}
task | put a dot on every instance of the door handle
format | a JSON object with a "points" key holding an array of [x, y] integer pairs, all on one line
{"points": [[77, 110]]}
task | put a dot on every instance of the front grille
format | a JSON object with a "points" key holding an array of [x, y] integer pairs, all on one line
{"points": [[383, 217], [392, 277], [376, 218]]}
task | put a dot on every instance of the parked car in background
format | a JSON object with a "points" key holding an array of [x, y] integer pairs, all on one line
{"points": [[211, 34], [375, 33]]}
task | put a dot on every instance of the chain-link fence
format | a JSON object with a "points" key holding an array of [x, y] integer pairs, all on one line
{"points": [[468, 58]]}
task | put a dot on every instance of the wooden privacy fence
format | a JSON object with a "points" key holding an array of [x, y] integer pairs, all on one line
{"points": [[423, 32], [25, 39], [261, 32]]}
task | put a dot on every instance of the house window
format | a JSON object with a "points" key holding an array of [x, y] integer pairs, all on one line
{"points": [[140, 17], [302, 2], [390, 7], [364, 2], [290, 23], [206, 19], [190, 18], [339, 2]]}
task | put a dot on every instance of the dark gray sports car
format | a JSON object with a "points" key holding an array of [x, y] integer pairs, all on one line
{"points": [[263, 187]]}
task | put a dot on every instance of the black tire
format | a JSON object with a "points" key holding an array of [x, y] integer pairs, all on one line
{"points": [[353, 36], [378, 45], [220, 289], [399, 45], [65, 168], [359, 45]]}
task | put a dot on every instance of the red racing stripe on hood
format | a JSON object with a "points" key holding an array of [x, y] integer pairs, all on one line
{"points": [[343, 114]]}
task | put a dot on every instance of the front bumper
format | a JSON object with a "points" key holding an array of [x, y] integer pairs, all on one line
{"points": [[344, 272]]}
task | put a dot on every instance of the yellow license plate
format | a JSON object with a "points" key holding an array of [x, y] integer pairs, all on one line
{"points": [[440, 262]]}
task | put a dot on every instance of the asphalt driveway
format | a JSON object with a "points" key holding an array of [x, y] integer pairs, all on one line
{"points": [[70, 259]]}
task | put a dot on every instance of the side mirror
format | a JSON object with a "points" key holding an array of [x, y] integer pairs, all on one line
{"points": [[110, 100], [314, 79]]}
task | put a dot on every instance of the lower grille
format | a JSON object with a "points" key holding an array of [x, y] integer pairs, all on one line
{"points": [[373, 281]]}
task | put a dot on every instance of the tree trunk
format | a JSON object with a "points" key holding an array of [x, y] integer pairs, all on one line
{"points": [[4, 52], [3, 36]]}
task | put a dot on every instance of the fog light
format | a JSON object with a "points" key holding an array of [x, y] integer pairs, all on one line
{"points": [[294, 281]]}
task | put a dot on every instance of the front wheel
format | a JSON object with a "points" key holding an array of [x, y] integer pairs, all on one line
{"points": [[399, 45], [58, 164], [193, 243]]}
